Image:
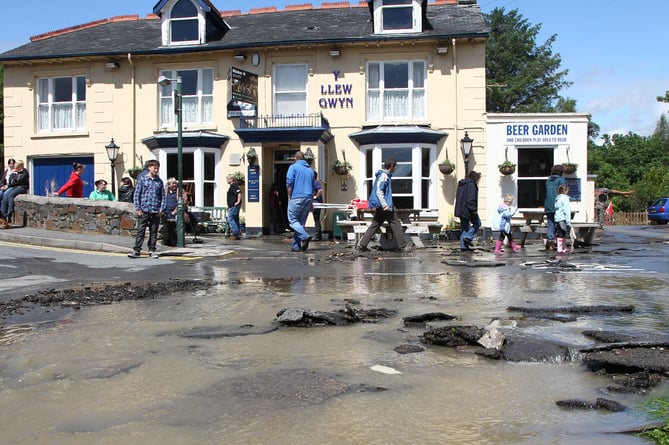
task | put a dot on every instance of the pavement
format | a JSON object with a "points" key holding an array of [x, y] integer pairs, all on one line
{"points": [[212, 244], [216, 244]]}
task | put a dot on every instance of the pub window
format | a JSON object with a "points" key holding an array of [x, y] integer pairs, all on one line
{"points": [[199, 173], [184, 23], [197, 93], [412, 185], [397, 16], [534, 167], [61, 104], [290, 90], [396, 90]]}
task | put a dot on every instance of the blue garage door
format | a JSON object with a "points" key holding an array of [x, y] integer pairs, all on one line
{"points": [[50, 173]]}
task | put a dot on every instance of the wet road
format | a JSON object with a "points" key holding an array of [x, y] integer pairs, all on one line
{"points": [[133, 372]]}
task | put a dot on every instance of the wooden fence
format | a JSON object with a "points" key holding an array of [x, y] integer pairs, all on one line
{"points": [[626, 219]]}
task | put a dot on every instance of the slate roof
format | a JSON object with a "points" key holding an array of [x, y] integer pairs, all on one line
{"points": [[288, 27]]}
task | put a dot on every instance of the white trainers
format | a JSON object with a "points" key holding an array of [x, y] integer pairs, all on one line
{"points": [[154, 254], [133, 255]]}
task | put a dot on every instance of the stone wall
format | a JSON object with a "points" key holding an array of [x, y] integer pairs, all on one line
{"points": [[75, 215]]}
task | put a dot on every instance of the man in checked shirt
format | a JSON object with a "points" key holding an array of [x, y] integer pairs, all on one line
{"points": [[149, 203]]}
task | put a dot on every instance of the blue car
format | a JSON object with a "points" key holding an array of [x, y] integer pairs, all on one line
{"points": [[658, 212]]}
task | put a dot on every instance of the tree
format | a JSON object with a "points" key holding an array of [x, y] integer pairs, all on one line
{"points": [[664, 98], [521, 76]]}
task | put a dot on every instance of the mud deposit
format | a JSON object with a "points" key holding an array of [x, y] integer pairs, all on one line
{"points": [[97, 294]]}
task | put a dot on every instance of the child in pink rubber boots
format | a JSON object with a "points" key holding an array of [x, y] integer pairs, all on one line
{"points": [[562, 218], [503, 221]]}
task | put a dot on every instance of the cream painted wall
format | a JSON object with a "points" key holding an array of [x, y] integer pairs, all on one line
{"points": [[456, 103]]}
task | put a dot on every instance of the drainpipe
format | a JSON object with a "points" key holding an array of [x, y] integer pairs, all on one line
{"points": [[455, 74], [134, 110]]}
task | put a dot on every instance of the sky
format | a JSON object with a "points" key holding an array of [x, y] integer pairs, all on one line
{"points": [[614, 49]]}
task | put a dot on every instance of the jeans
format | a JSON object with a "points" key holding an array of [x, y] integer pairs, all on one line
{"points": [[233, 220], [550, 226], [152, 221], [469, 228], [7, 206], [298, 211]]}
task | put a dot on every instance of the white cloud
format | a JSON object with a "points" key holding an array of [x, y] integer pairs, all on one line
{"points": [[632, 108]]}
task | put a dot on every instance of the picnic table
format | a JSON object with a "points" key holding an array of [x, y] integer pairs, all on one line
{"points": [[415, 222], [535, 223]]}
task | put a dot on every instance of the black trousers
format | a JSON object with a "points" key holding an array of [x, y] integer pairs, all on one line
{"points": [[152, 221]]}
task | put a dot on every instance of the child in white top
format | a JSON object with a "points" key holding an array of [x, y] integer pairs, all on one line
{"points": [[562, 218], [505, 211]]}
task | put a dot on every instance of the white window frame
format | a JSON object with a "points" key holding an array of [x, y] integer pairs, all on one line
{"points": [[538, 181], [167, 27], [416, 17], [198, 173], [416, 178], [203, 101], [276, 93], [72, 112], [379, 105]]}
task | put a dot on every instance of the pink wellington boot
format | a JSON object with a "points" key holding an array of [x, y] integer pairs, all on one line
{"points": [[498, 248], [515, 246], [561, 245]]}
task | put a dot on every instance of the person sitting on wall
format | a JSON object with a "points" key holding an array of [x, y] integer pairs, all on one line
{"points": [[18, 183], [168, 228], [5, 176], [101, 192], [126, 192], [74, 187]]}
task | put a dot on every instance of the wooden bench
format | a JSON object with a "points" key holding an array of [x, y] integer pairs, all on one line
{"points": [[412, 229], [217, 220], [585, 232]]}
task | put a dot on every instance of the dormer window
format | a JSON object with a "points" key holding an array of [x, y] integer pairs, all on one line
{"points": [[184, 23], [397, 16], [189, 22]]}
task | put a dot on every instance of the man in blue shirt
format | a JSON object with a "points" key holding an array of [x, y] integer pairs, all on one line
{"points": [[300, 186], [149, 203]]}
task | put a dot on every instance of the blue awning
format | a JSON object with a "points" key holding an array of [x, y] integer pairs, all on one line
{"points": [[169, 139], [389, 134]]}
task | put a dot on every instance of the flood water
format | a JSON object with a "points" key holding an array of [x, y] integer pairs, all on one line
{"points": [[126, 373]]}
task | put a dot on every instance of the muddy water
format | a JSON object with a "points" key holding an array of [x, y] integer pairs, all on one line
{"points": [[123, 373]]}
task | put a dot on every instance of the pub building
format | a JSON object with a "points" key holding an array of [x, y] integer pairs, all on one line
{"points": [[347, 82]]}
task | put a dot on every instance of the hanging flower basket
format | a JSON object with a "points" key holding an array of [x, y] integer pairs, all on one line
{"points": [[342, 167], [134, 172], [569, 168], [239, 177], [506, 168], [446, 168]]}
